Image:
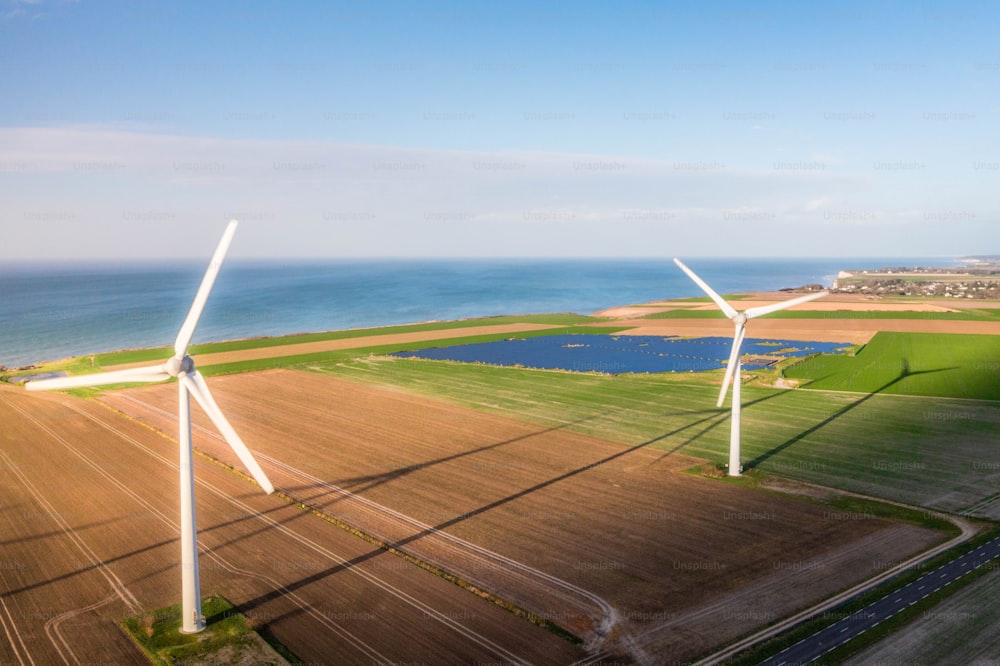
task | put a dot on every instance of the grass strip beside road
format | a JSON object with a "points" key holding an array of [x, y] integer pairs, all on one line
{"points": [[826, 618]]}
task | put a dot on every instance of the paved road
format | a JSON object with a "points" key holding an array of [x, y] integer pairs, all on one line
{"points": [[815, 646]]}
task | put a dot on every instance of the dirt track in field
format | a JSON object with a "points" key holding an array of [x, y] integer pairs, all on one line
{"points": [[88, 535], [351, 343], [831, 303], [856, 331], [821, 305], [684, 563]]}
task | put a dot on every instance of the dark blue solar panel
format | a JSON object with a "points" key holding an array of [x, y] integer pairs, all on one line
{"points": [[617, 354]]}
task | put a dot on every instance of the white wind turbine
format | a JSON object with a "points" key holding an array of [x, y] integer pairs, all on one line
{"points": [[735, 365], [189, 383]]}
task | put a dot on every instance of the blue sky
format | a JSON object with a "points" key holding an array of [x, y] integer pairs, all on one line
{"points": [[499, 129]]}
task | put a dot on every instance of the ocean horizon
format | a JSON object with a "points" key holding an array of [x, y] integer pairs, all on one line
{"points": [[53, 310]]}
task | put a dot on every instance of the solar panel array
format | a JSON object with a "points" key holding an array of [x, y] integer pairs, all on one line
{"points": [[618, 354]]}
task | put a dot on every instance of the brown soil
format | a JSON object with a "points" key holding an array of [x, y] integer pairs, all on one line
{"points": [[828, 305], [680, 558], [831, 303], [856, 331], [88, 535]]}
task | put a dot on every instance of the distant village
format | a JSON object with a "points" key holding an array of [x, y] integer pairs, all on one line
{"points": [[980, 279]]}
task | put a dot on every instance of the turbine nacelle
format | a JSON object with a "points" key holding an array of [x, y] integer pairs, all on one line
{"points": [[176, 366], [740, 320]]}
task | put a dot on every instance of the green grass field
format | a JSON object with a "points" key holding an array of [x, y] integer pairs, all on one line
{"points": [[936, 453], [567, 323], [911, 417], [136, 356], [927, 364]]}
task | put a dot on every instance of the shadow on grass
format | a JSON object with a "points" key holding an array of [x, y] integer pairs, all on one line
{"points": [[714, 418], [719, 416], [904, 373]]}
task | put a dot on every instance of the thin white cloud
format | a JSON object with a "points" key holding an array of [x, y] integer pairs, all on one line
{"points": [[83, 191]]}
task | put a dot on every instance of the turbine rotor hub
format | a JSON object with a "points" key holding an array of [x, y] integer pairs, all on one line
{"points": [[740, 319], [175, 366]]}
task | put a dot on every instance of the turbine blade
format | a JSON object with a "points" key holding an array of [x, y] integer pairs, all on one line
{"points": [[197, 387], [149, 373], [774, 307], [194, 314], [725, 307], [734, 357]]}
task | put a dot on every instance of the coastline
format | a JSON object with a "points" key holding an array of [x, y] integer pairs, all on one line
{"points": [[859, 322], [50, 313], [267, 304]]}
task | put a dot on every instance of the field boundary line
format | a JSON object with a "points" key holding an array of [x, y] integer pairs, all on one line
{"points": [[390, 548], [407, 598], [605, 624], [206, 550], [984, 401]]}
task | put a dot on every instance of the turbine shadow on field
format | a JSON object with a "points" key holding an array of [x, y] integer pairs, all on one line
{"points": [[718, 416], [715, 416], [248, 519], [204, 549], [370, 481], [109, 563], [56, 533], [903, 374]]}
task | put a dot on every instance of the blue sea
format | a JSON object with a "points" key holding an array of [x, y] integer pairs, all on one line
{"points": [[51, 311]]}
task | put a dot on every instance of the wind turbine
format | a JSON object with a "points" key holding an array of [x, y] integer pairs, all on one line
{"points": [[189, 383], [735, 365]]}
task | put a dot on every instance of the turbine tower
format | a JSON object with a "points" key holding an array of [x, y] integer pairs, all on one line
{"points": [[734, 366], [189, 383]]}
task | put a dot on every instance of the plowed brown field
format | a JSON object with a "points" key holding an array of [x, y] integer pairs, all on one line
{"points": [[856, 331], [613, 543], [88, 534], [831, 303]]}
